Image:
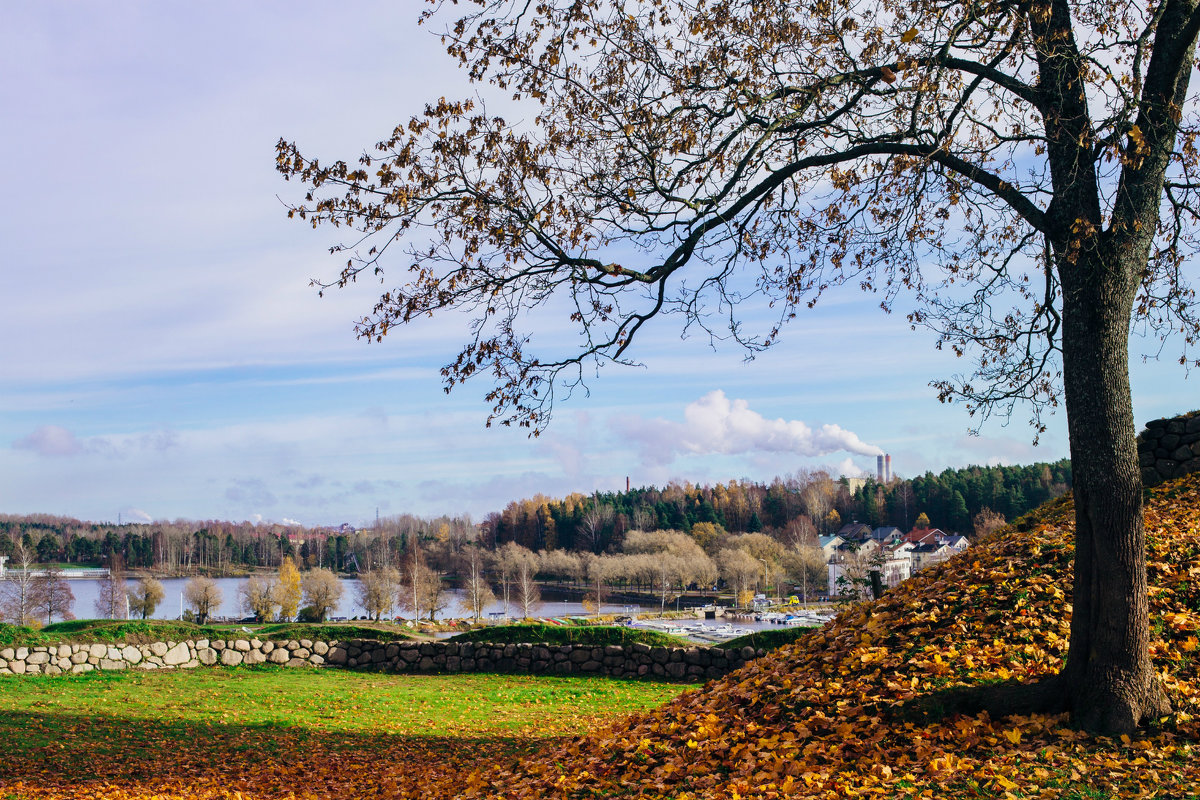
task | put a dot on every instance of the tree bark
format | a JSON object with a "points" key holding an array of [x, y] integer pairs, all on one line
{"points": [[1108, 681]]}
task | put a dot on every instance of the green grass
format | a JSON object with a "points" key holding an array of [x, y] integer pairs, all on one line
{"points": [[768, 639], [127, 723], [594, 635], [143, 631]]}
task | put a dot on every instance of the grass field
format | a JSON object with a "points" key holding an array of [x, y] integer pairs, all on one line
{"points": [[136, 731]]}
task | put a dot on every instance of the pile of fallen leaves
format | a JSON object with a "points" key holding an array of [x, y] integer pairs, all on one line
{"points": [[820, 719]]}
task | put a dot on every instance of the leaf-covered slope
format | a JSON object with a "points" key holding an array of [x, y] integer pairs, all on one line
{"points": [[822, 718]]}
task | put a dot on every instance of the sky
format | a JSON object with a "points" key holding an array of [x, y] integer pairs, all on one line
{"points": [[164, 355]]}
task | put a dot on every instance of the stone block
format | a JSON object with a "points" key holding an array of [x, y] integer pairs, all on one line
{"points": [[242, 645], [316, 659], [37, 658], [297, 662], [320, 648], [254, 657], [306, 644], [303, 652], [1169, 441], [112, 664], [22, 653], [337, 655], [131, 654], [1182, 453], [79, 669], [278, 656], [267, 647], [1175, 426], [1166, 467], [79, 658], [64, 651], [179, 654], [1192, 425], [201, 644], [8, 653], [158, 648], [207, 656]]}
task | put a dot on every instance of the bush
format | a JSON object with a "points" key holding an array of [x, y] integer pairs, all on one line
{"points": [[595, 635]]}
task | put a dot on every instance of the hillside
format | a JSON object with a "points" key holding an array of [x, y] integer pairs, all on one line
{"points": [[823, 718]]}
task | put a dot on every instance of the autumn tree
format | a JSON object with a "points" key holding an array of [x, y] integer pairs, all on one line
{"points": [[52, 595], [807, 567], [18, 589], [112, 593], [288, 589], [257, 597], [322, 592], [987, 521], [673, 560], [420, 590], [525, 586], [477, 591], [740, 571], [203, 597], [376, 591], [1022, 174], [598, 571], [145, 596]]}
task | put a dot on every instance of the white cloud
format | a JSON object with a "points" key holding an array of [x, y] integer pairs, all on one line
{"points": [[52, 440], [714, 424]]}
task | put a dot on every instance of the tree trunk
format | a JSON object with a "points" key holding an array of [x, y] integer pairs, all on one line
{"points": [[1108, 681]]}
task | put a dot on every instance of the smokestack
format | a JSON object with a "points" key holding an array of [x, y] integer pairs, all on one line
{"points": [[626, 484], [887, 468], [879, 468]]}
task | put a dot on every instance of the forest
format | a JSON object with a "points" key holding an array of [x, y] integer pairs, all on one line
{"points": [[793, 510]]}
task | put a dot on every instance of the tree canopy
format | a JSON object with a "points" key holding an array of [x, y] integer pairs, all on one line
{"points": [[1022, 173]]}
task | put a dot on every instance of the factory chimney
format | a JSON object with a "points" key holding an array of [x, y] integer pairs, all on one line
{"points": [[879, 468], [626, 484], [887, 468]]}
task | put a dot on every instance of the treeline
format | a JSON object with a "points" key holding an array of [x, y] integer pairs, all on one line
{"points": [[215, 547], [792, 510], [787, 507]]}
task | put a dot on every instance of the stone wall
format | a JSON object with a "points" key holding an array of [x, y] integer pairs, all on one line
{"points": [[678, 663], [1169, 448]]}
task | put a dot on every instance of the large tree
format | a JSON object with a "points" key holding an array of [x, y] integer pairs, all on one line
{"points": [[1022, 171]]}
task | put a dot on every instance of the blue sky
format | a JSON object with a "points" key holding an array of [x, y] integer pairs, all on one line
{"points": [[165, 357]]}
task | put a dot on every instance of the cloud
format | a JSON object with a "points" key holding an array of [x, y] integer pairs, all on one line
{"points": [[250, 493], [57, 441], [714, 424], [290, 521], [52, 440]]}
